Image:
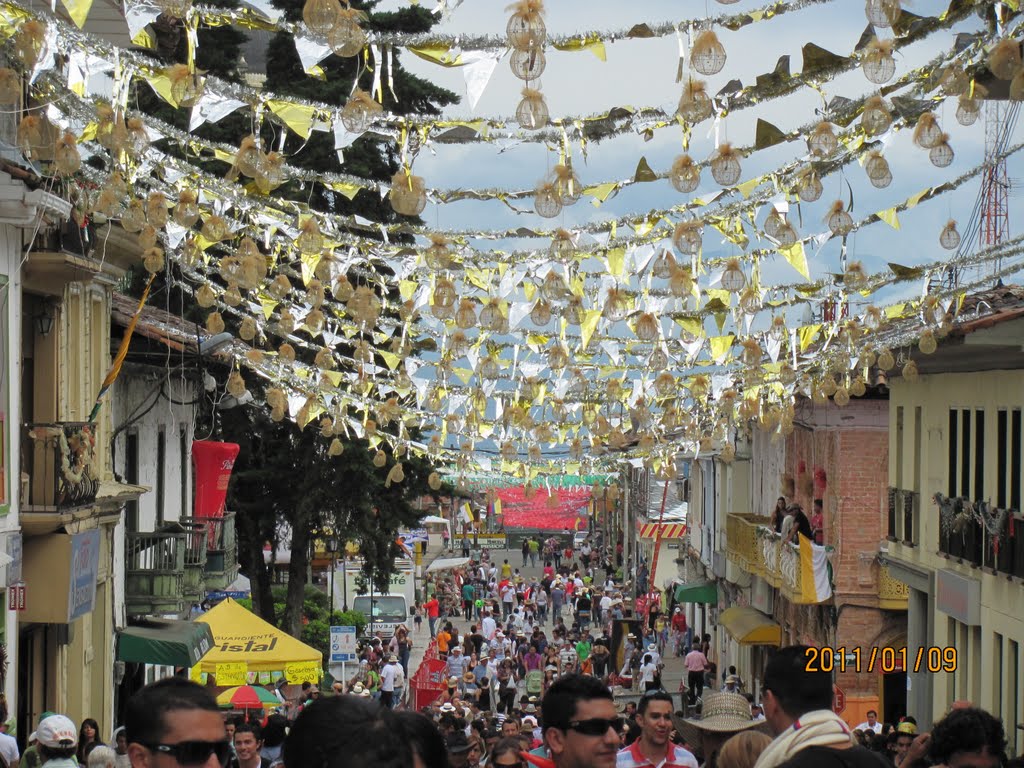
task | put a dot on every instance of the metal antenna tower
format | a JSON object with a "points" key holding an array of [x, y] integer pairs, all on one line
{"points": [[994, 227]]}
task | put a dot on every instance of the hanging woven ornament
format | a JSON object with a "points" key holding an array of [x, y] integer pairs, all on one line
{"points": [[685, 174], [877, 62], [29, 41], [876, 117], [695, 104], [10, 86], [647, 327], [664, 265], [927, 133], [309, 240], [136, 137], [285, 322], [156, 209], [408, 194], [927, 343], [528, 65], [839, 221], [186, 212], [1017, 86], [968, 106], [66, 160], [574, 311], [822, 142], [725, 165], [1004, 59], [708, 55], [215, 228], [658, 360], [438, 255], [249, 157], [360, 111], [271, 173], [465, 316], [558, 358], [877, 169], [215, 323], [787, 235], [30, 135], [526, 27], [186, 85], [616, 305], [687, 237], [347, 37], [153, 261], [733, 278], [541, 313], [444, 294], [773, 223], [553, 288], [882, 13], [954, 81], [567, 184], [949, 238], [458, 344], [235, 384], [148, 237], [547, 200], [941, 155], [532, 112], [562, 246], [134, 217], [808, 185], [854, 278], [320, 15], [909, 371]]}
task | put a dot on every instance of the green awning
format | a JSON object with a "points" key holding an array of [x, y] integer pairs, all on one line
{"points": [[165, 641], [697, 592]]}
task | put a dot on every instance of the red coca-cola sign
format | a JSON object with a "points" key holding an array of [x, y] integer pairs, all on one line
{"points": [[212, 463]]}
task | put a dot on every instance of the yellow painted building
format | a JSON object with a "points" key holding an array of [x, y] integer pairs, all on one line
{"points": [[69, 502], [956, 432]]}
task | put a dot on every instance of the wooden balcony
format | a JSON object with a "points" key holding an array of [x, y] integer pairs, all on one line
{"points": [[155, 574], [893, 594], [221, 560], [753, 546], [59, 460]]}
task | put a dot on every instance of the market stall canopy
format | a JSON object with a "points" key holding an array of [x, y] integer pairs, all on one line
{"points": [[240, 588], [748, 626], [447, 563], [697, 592], [241, 637], [165, 641], [434, 520]]}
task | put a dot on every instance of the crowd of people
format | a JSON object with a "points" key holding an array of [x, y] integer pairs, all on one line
{"points": [[576, 723]]}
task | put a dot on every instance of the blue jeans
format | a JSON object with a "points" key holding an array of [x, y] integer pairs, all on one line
{"points": [[433, 622]]}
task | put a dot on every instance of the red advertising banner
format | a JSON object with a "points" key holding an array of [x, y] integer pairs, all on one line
{"points": [[212, 463]]}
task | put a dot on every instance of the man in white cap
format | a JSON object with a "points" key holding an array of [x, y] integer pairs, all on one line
{"points": [[57, 740], [655, 655], [387, 682]]}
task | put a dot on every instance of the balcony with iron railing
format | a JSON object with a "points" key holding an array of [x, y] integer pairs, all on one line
{"points": [[59, 465], [757, 549], [221, 566], [966, 539], [902, 517]]}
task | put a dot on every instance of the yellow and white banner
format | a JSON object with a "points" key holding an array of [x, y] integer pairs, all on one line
{"points": [[814, 580]]}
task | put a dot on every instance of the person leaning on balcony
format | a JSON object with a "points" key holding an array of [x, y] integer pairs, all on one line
{"points": [[778, 514], [818, 522], [800, 525]]}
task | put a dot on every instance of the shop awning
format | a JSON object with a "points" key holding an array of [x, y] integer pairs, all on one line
{"points": [[748, 626], [697, 592], [165, 641], [447, 563]]}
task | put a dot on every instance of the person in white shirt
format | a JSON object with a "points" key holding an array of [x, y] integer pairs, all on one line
{"points": [[871, 724], [8, 747], [648, 670], [399, 689], [387, 682], [652, 649], [606, 607], [489, 626]]}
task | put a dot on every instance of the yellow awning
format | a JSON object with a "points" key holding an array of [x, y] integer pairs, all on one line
{"points": [[242, 637], [750, 627]]}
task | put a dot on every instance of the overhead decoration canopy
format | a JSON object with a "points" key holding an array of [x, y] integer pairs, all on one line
{"points": [[542, 350]]}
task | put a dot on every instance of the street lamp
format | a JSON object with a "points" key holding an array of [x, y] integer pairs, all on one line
{"points": [[332, 545]]}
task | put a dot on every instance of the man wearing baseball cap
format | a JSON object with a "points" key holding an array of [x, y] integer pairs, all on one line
{"points": [[57, 740]]}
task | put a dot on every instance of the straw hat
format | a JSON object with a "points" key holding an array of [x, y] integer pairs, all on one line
{"points": [[722, 713], [468, 677]]}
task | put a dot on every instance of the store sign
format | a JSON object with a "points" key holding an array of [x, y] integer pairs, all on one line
{"points": [[959, 597], [16, 597], [85, 567], [838, 699]]}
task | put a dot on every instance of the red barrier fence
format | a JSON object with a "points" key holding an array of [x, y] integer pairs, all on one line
{"points": [[429, 680]]}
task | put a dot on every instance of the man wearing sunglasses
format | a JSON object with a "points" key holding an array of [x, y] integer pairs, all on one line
{"points": [[581, 726], [175, 723], [654, 748]]}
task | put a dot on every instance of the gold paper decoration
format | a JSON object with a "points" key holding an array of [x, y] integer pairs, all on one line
{"points": [[725, 165], [808, 186], [841, 397], [567, 184], [882, 13], [347, 37], [364, 306], [685, 174], [927, 133], [877, 168], [320, 15], [29, 41], [822, 142], [532, 113], [358, 115], [687, 237], [314, 321], [153, 260], [528, 65], [1004, 60], [616, 305], [877, 62], [647, 328], [408, 194], [134, 217], [380, 459], [733, 278], [547, 200], [663, 265], [205, 297], [434, 481], [324, 360], [941, 154], [309, 240], [465, 317], [526, 27], [839, 221], [695, 104], [337, 448], [949, 238], [876, 117], [10, 86], [541, 313], [437, 256], [787, 235], [708, 55], [186, 86], [396, 475], [186, 212], [215, 228]]}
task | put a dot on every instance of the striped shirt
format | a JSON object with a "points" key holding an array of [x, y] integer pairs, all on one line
{"points": [[675, 757]]}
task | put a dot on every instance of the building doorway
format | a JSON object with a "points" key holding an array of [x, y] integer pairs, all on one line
{"points": [[894, 697]]}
